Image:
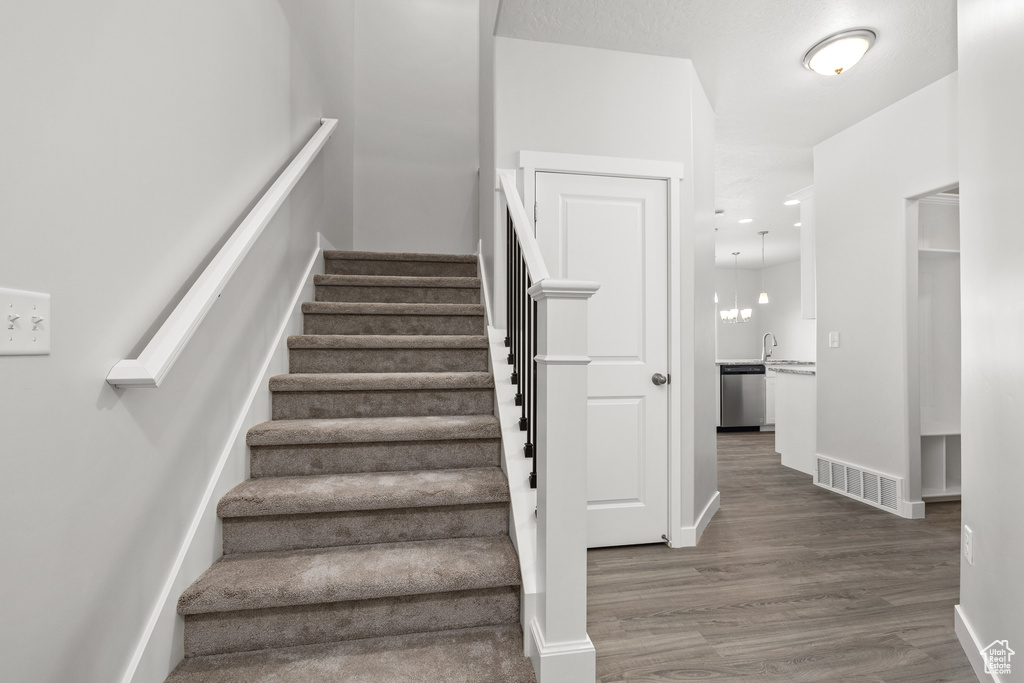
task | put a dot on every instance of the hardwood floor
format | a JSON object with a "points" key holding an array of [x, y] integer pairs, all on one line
{"points": [[789, 583]]}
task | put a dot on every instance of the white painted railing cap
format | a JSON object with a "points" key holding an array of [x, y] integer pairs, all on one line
{"points": [[563, 289]]}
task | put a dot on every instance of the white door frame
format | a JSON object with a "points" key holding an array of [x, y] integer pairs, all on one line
{"points": [[530, 164]]}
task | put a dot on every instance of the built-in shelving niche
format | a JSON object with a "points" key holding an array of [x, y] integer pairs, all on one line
{"points": [[938, 308]]}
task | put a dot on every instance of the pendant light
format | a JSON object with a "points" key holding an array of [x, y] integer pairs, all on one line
{"points": [[735, 315], [763, 297]]}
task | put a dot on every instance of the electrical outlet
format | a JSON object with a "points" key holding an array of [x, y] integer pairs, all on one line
{"points": [[833, 340], [968, 544]]}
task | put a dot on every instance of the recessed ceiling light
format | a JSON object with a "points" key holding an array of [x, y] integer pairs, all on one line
{"points": [[839, 52], [791, 202], [746, 220], [797, 225]]}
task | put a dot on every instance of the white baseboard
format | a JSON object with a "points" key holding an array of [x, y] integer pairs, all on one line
{"points": [[485, 283], [689, 536], [574, 662], [913, 509], [971, 645], [161, 647]]}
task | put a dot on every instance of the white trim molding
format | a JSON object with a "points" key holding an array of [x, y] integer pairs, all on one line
{"points": [[802, 194], [972, 645], [485, 286], [598, 165], [572, 662], [689, 536], [156, 360]]}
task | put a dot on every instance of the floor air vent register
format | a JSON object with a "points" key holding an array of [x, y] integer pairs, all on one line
{"points": [[877, 489]]}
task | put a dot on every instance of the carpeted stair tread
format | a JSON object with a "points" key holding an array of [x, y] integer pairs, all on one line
{"points": [[374, 429], [387, 341], [248, 581], [347, 308], [487, 654], [332, 255], [364, 491], [380, 381], [395, 281]]}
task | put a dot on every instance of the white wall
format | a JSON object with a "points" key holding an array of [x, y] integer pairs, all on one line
{"points": [[863, 177], [417, 125], [781, 315], [991, 36], [698, 415], [322, 73], [135, 136], [488, 197], [562, 98]]}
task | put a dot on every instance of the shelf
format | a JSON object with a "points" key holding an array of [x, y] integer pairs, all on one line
{"points": [[931, 250], [940, 429], [950, 492]]}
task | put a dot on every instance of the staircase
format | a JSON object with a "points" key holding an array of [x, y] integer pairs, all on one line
{"points": [[371, 543]]}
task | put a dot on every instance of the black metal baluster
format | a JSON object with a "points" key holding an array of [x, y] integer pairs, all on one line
{"points": [[508, 279], [513, 265], [534, 451], [524, 421], [521, 335]]}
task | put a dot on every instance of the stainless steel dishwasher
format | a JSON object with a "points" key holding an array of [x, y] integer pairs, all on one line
{"points": [[742, 395]]}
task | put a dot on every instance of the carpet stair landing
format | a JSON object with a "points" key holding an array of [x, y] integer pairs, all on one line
{"points": [[371, 542]]}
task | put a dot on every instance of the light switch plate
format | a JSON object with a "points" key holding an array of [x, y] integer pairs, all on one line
{"points": [[968, 544], [24, 323], [833, 340]]}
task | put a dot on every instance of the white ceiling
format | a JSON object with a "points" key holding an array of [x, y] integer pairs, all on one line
{"points": [[770, 110]]}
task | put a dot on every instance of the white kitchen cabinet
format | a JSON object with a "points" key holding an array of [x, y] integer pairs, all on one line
{"points": [[796, 430], [718, 395], [769, 397]]}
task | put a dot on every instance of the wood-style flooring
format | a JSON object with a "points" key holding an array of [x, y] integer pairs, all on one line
{"points": [[789, 583]]}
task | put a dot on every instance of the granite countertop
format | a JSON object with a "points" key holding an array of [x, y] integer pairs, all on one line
{"points": [[770, 363], [805, 369]]}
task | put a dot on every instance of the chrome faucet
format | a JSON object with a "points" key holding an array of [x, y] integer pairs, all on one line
{"points": [[766, 351]]}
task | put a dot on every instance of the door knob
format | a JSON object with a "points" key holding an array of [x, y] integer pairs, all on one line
{"points": [[659, 379]]}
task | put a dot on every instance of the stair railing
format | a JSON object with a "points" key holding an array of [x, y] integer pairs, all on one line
{"points": [[153, 364], [546, 335], [525, 265]]}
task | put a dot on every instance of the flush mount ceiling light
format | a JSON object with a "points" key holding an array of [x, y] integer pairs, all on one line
{"points": [[839, 52]]}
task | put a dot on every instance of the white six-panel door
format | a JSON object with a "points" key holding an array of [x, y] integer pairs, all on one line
{"points": [[614, 231]]}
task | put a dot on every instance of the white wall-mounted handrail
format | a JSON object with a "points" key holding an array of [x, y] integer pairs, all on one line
{"points": [[521, 221], [152, 365]]}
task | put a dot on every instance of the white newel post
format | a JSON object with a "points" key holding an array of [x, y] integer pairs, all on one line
{"points": [[562, 651]]}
